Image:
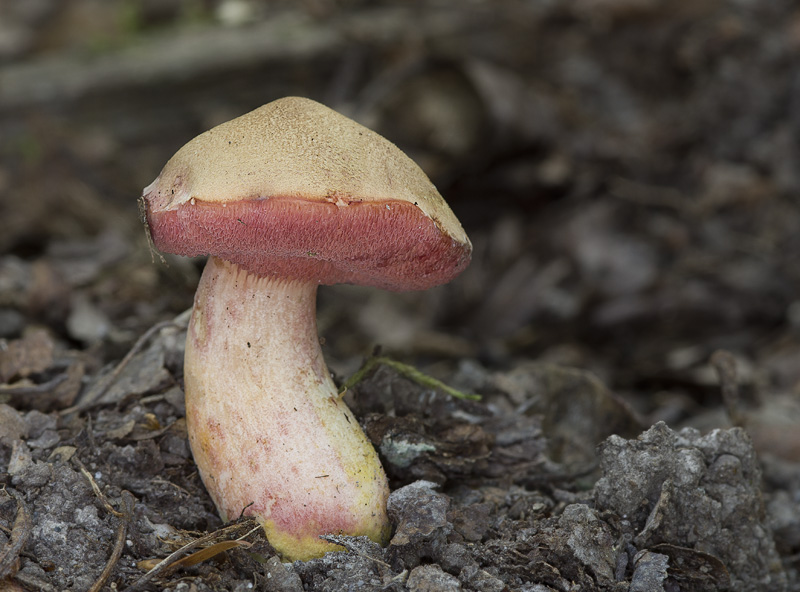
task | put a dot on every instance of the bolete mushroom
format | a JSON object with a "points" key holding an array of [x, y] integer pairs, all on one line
{"points": [[287, 197]]}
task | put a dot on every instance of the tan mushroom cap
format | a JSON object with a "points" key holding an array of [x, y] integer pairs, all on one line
{"points": [[287, 183]]}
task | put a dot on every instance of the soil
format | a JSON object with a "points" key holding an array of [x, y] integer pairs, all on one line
{"points": [[627, 173]]}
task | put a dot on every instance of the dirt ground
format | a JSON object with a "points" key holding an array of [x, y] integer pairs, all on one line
{"points": [[627, 171]]}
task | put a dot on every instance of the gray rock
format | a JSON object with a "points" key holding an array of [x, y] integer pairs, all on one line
{"points": [[649, 572], [701, 493], [480, 580], [455, 557], [431, 578], [590, 540], [420, 514], [12, 426], [279, 578]]}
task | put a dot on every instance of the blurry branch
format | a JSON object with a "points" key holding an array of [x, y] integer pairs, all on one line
{"points": [[725, 365], [184, 54]]}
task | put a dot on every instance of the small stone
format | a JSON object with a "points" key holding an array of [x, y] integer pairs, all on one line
{"points": [[431, 578], [481, 581], [649, 572], [279, 578], [456, 557], [418, 510], [420, 514], [20, 460], [12, 426], [39, 422], [48, 439], [472, 521]]}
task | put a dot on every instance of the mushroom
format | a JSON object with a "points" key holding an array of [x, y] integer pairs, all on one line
{"points": [[287, 197]]}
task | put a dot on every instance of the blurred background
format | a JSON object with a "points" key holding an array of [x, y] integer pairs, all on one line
{"points": [[626, 169]]}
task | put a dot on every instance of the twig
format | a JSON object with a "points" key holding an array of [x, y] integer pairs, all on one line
{"points": [[122, 528], [344, 541], [176, 555], [96, 489], [28, 390], [725, 365], [648, 195], [204, 51], [112, 377], [125, 516], [19, 535], [163, 481], [409, 372], [249, 532]]}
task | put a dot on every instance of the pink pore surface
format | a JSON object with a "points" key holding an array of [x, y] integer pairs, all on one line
{"points": [[387, 244]]}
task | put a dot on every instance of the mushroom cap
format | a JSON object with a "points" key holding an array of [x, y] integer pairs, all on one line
{"points": [[297, 190]]}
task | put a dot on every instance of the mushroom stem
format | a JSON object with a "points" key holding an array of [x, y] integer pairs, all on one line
{"points": [[269, 432]]}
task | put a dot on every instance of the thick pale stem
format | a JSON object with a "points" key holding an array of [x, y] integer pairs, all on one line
{"points": [[270, 435]]}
